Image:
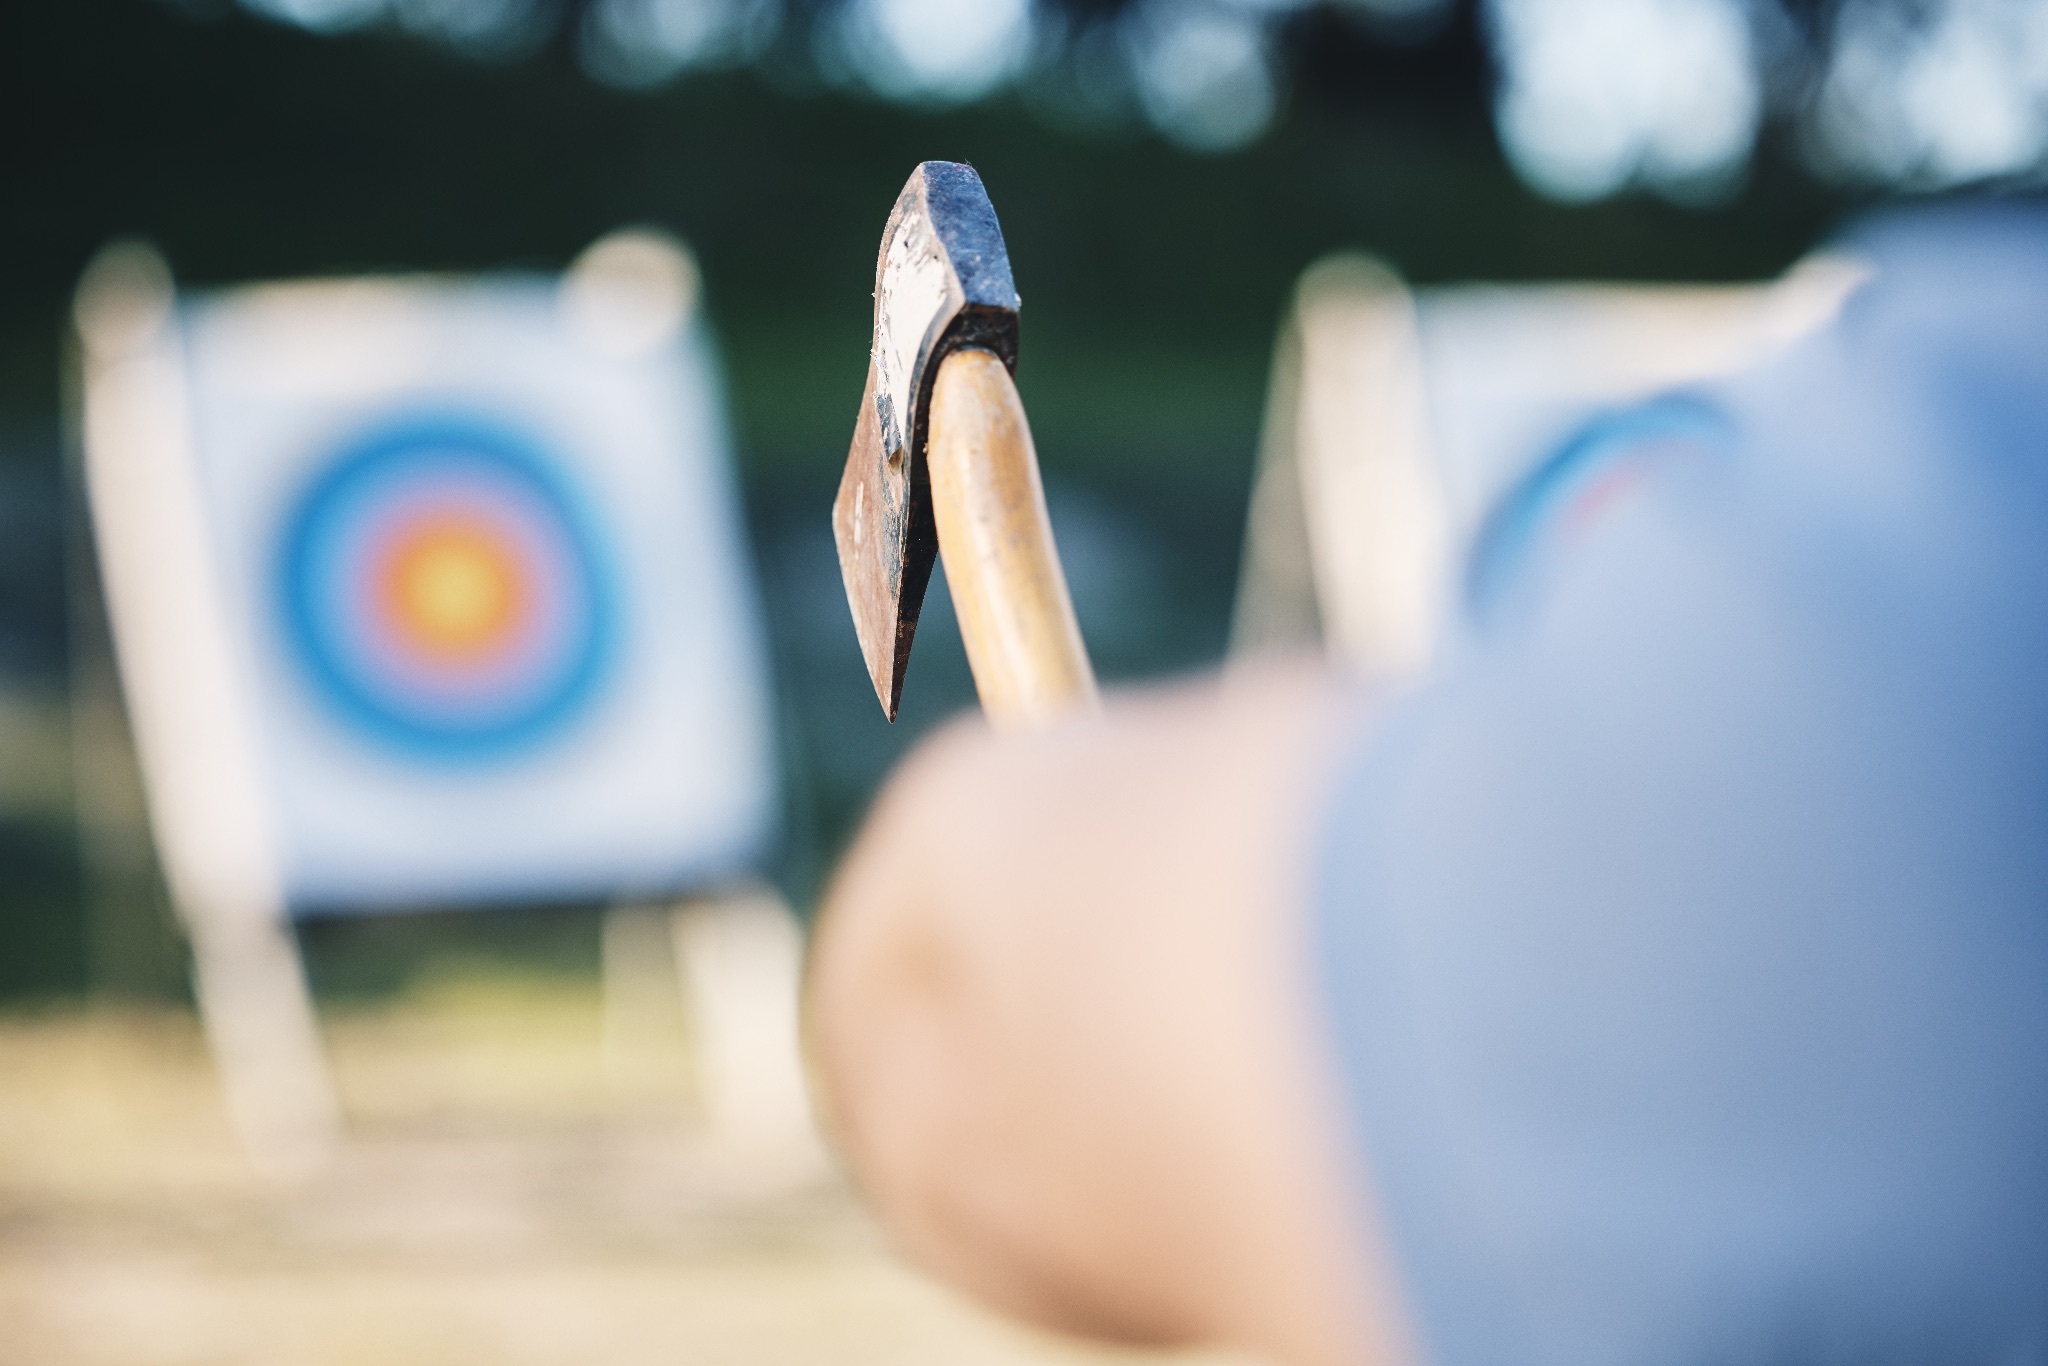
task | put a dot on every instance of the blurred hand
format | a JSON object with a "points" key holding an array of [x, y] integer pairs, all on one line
{"points": [[1062, 1011]]}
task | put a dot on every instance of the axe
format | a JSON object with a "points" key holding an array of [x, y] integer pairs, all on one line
{"points": [[942, 465]]}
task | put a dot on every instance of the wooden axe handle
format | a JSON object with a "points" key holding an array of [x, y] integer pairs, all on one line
{"points": [[1002, 568]]}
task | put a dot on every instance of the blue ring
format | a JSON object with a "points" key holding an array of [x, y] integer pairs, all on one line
{"points": [[1507, 538], [385, 452]]}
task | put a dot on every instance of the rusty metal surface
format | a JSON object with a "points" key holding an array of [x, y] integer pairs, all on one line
{"points": [[882, 522], [942, 282]]}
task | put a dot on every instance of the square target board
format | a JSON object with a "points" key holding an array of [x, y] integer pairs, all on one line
{"points": [[482, 567]]}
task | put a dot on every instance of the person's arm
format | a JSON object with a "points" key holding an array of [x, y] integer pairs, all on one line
{"points": [[1062, 1014]]}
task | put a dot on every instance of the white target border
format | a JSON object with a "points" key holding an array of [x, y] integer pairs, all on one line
{"points": [[670, 779]]}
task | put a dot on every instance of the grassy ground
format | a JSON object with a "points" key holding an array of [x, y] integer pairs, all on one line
{"points": [[513, 1193]]}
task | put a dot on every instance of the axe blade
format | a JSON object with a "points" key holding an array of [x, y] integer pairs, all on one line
{"points": [[942, 282]]}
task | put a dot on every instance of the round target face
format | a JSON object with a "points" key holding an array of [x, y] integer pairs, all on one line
{"points": [[444, 590]]}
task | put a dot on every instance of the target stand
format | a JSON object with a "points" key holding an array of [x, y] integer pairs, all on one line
{"points": [[1397, 420], [427, 592]]}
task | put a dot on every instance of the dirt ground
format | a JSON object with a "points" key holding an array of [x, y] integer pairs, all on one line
{"points": [[513, 1192]]}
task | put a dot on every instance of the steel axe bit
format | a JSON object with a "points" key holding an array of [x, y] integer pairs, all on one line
{"points": [[942, 463]]}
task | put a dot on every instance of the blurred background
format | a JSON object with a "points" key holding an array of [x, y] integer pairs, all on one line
{"points": [[1164, 171]]}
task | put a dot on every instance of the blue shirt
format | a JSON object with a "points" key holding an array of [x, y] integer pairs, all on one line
{"points": [[1685, 940]]}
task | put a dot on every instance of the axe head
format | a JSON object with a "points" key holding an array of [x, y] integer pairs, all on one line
{"points": [[942, 282]]}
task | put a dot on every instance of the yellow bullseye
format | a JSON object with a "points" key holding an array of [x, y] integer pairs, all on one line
{"points": [[454, 589]]}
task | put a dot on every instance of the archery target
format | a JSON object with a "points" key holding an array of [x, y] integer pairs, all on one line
{"points": [[442, 587], [487, 585]]}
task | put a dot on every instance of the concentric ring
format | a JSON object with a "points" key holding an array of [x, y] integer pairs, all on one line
{"points": [[444, 589]]}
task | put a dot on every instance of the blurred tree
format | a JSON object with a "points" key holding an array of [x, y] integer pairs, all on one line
{"points": [[352, 135]]}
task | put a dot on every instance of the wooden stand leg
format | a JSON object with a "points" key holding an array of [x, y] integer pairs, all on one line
{"points": [[740, 957], [259, 1019]]}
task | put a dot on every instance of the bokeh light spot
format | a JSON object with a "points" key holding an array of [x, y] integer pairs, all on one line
{"points": [[936, 51], [1600, 95]]}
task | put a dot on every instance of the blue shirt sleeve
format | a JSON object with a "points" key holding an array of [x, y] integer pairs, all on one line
{"points": [[1685, 941]]}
